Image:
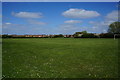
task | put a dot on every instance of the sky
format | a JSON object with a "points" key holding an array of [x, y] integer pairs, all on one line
{"points": [[57, 17], [0, 18], [60, 0]]}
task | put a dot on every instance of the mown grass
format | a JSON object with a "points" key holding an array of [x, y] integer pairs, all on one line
{"points": [[0, 58], [60, 58]]}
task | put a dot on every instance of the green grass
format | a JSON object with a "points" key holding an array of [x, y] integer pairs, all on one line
{"points": [[60, 58], [0, 58]]}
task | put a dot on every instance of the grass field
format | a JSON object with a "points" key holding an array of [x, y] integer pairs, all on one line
{"points": [[0, 58], [60, 58]]}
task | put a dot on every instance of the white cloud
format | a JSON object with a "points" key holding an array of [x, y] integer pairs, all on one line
{"points": [[101, 26], [91, 22], [72, 28], [35, 22], [67, 28], [27, 14], [108, 19], [8, 23], [112, 16], [96, 27], [80, 13], [72, 21]]}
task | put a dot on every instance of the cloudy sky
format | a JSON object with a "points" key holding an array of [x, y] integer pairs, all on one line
{"points": [[57, 17], [0, 18]]}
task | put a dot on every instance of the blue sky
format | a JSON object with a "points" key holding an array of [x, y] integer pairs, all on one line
{"points": [[0, 18], [57, 17]]}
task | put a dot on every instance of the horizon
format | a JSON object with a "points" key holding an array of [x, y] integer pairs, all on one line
{"points": [[57, 17]]}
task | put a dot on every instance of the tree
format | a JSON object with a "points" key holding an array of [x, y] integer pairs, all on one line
{"points": [[84, 32], [114, 28], [6, 36], [79, 34], [89, 35], [58, 36], [106, 35]]}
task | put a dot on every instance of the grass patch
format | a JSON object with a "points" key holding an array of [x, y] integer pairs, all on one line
{"points": [[60, 58]]}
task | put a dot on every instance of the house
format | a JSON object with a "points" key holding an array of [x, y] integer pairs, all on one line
{"points": [[68, 36]]}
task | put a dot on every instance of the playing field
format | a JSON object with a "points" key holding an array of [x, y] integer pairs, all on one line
{"points": [[60, 58]]}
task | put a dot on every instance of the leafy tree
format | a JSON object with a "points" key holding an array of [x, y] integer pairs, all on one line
{"points": [[114, 28], [79, 34], [84, 32], [89, 35], [6, 36], [58, 36], [106, 35]]}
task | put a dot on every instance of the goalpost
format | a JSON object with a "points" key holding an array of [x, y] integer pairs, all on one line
{"points": [[116, 35]]}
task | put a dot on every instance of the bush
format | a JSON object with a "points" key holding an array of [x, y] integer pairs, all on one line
{"points": [[107, 35], [58, 36], [6, 36], [89, 35]]}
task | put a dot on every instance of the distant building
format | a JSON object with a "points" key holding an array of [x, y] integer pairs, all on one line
{"points": [[67, 36]]}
